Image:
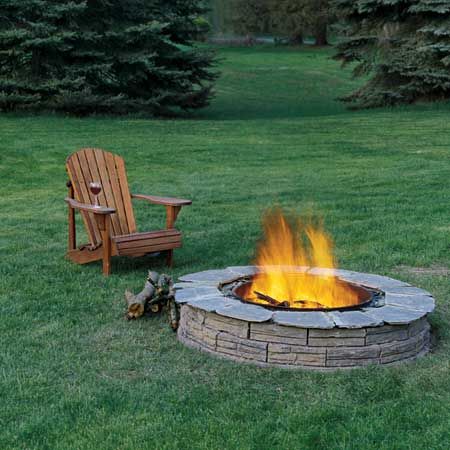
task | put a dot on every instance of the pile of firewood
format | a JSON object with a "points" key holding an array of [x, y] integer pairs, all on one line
{"points": [[158, 294]]}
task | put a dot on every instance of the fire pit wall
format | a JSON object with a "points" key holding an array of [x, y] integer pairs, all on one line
{"points": [[394, 332]]}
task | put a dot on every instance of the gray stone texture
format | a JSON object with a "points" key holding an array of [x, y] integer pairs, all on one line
{"points": [[394, 315], [270, 332], [271, 344], [374, 281], [418, 326], [243, 311], [209, 276], [388, 336], [354, 319], [210, 304], [343, 363], [407, 290], [243, 271], [192, 293], [416, 302], [368, 351], [337, 333], [296, 355], [307, 319], [241, 348], [234, 327], [336, 342]]}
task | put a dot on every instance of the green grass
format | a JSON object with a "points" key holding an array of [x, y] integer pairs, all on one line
{"points": [[75, 375]]}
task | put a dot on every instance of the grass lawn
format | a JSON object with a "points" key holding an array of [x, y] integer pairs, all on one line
{"points": [[75, 375]]}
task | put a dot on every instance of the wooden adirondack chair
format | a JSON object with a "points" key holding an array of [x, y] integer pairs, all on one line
{"points": [[111, 227]]}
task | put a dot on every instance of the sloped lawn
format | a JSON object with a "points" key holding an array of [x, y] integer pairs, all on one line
{"points": [[75, 374]]}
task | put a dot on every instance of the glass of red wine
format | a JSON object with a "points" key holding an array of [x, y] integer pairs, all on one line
{"points": [[95, 187]]}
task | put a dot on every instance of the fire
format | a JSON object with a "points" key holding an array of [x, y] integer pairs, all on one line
{"points": [[286, 246]]}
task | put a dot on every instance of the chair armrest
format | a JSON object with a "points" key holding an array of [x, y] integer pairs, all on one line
{"points": [[103, 210], [167, 201]]}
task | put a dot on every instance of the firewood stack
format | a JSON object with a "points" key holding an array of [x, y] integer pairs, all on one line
{"points": [[158, 293]]}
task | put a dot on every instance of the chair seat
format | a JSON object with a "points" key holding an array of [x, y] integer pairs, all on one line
{"points": [[138, 244]]}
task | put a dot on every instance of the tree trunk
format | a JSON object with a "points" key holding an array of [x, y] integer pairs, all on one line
{"points": [[320, 35], [296, 38]]}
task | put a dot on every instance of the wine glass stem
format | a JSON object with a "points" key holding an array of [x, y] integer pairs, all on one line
{"points": [[96, 201]]}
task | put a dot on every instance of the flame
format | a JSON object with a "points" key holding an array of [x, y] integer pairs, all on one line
{"points": [[285, 247]]}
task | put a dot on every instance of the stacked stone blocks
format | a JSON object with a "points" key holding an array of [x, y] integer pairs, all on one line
{"points": [[271, 344], [393, 331]]}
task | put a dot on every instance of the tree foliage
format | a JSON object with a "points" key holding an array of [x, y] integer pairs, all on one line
{"points": [[107, 56], [251, 16], [403, 45], [291, 18], [296, 18]]}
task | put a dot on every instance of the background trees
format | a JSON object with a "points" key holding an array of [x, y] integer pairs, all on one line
{"points": [[251, 16], [298, 18], [108, 56], [403, 45], [293, 19]]}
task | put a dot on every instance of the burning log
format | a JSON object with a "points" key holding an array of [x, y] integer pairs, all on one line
{"points": [[285, 304], [266, 298], [271, 300], [310, 304]]}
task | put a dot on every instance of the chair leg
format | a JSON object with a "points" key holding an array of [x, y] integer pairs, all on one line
{"points": [[169, 258], [104, 225], [106, 255], [71, 219], [172, 213], [107, 259]]}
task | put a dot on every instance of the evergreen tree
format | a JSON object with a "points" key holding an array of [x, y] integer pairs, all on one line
{"points": [[106, 56], [403, 45]]}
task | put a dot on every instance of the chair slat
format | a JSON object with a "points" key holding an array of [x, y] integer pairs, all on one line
{"points": [[106, 187], [95, 175], [125, 192], [149, 249], [148, 242], [142, 243], [148, 235], [85, 179], [117, 192], [82, 195]]}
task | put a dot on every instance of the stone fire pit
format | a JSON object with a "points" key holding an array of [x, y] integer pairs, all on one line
{"points": [[391, 330]]}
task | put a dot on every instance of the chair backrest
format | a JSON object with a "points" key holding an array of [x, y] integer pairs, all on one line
{"points": [[91, 164]]}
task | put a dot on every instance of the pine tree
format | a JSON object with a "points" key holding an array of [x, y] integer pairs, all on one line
{"points": [[103, 56], [402, 45]]}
